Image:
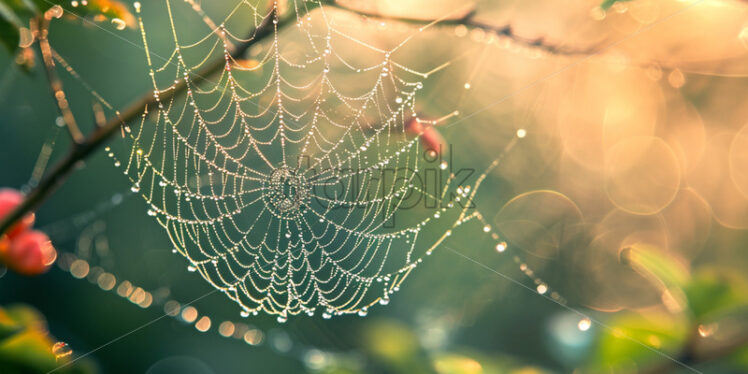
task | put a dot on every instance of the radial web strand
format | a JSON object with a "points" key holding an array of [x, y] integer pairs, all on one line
{"points": [[291, 180]]}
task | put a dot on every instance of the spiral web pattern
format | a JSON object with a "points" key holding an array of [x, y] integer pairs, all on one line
{"points": [[282, 179]]}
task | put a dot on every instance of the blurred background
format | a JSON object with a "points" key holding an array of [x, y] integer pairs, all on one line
{"points": [[628, 196]]}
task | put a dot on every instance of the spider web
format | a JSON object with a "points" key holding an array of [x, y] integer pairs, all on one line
{"points": [[292, 181]]}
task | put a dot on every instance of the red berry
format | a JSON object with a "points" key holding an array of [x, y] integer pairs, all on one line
{"points": [[9, 200], [30, 253], [413, 127], [431, 139]]}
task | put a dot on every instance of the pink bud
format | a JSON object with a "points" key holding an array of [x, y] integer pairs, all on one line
{"points": [[30, 253], [431, 139], [9, 200]]}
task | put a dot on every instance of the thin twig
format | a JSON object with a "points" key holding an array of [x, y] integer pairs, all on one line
{"points": [[100, 135], [85, 146], [59, 173], [470, 22], [55, 84]]}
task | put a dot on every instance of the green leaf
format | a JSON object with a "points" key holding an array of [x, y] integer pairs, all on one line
{"points": [[609, 3], [656, 263], [662, 269], [29, 349], [716, 291], [636, 340], [8, 327]]}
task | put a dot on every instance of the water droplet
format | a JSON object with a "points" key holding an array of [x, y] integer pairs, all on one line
{"points": [[244, 314], [501, 247], [542, 288], [706, 330], [521, 133], [363, 312], [191, 269], [119, 24], [61, 350], [584, 324], [282, 319], [384, 301], [443, 165]]}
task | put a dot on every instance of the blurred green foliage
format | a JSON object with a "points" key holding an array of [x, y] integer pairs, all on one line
{"points": [[629, 341], [702, 304], [714, 298], [635, 340], [714, 292], [26, 347]]}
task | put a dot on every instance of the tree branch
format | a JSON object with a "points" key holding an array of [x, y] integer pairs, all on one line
{"points": [[60, 172], [86, 146], [469, 21]]}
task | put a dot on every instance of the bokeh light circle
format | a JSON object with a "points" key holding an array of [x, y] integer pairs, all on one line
{"points": [[598, 262], [711, 178], [540, 222], [642, 175], [689, 222], [739, 160]]}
